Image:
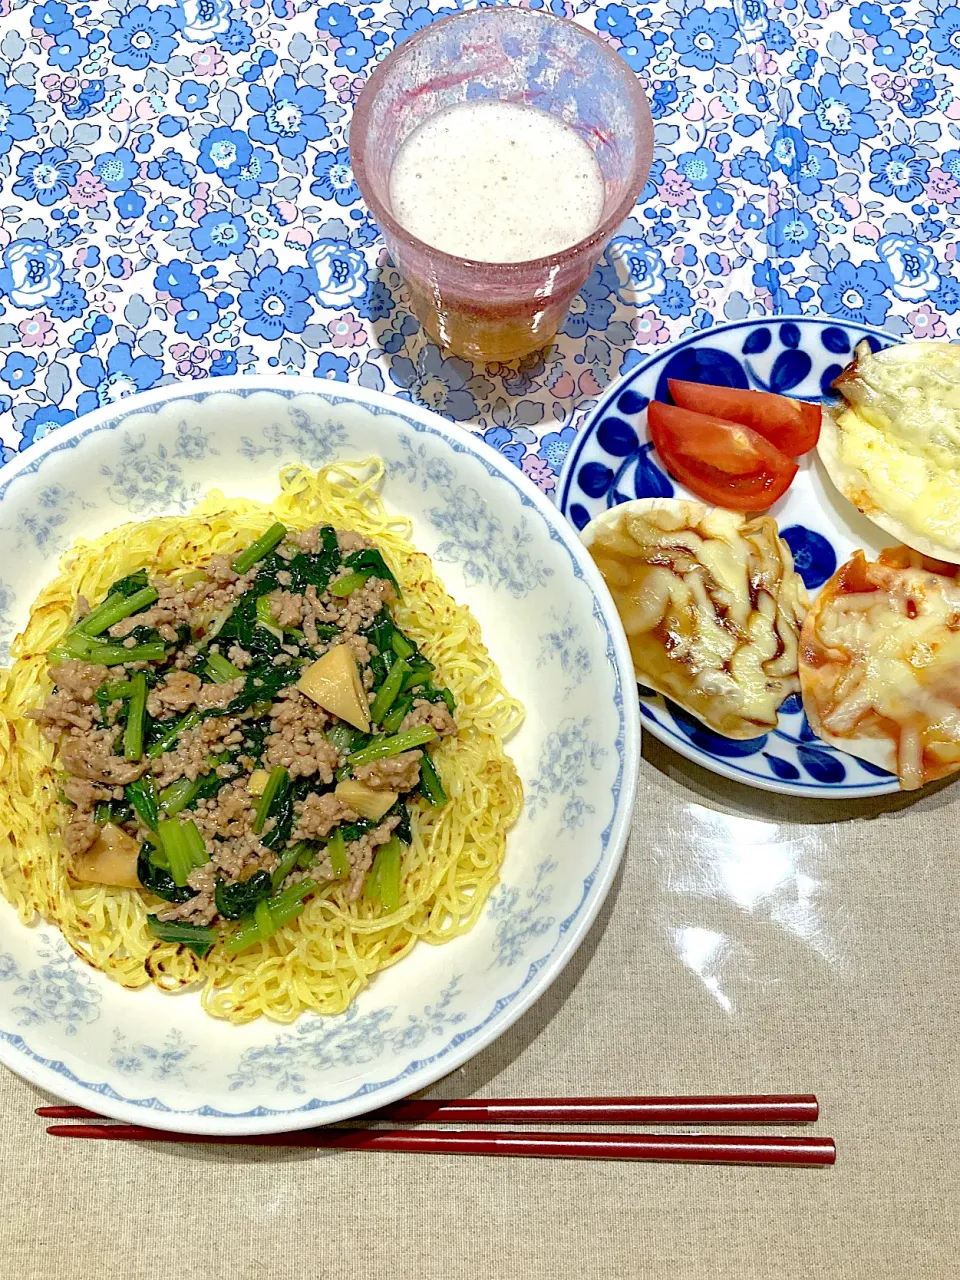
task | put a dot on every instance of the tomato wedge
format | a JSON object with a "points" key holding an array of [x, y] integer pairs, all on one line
{"points": [[793, 426], [723, 463]]}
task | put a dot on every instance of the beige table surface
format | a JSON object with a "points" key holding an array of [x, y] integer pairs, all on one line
{"points": [[750, 943]]}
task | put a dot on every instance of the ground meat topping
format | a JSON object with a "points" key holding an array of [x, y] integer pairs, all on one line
{"points": [[179, 692], [190, 758], [348, 541], [286, 608], [80, 833], [435, 714], [400, 773], [218, 696], [199, 910], [317, 815], [86, 758], [360, 854], [158, 616], [361, 649], [71, 707], [280, 743], [363, 605], [80, 679], [85, 794], [239, 657]]}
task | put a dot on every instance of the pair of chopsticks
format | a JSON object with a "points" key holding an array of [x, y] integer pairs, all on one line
{"points": [[670, 1147]]}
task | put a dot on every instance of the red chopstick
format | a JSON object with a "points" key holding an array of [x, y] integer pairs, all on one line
{"points": [[686, 1148], [774, 1108]]}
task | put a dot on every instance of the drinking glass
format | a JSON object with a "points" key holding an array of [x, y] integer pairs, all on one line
{"points": [[488, 311]]}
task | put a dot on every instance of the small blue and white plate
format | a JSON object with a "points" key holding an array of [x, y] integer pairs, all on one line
{"points": [[613, 461]]}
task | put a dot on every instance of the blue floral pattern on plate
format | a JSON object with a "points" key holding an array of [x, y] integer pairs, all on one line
{"points": [[57, 991], [504, 550], [613, 461], [563, 646], [521, 914], [292, 1062]]}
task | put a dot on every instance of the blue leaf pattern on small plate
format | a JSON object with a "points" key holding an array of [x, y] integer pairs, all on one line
{"points": [[813, 557], [822, 766], [794, 356], [789, 369], [782, 768]]}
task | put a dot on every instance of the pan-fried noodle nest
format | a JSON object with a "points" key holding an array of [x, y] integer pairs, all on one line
{"points": [[333, 950]]}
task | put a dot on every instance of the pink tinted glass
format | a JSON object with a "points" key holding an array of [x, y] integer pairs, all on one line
{"points": [[492, 311]]}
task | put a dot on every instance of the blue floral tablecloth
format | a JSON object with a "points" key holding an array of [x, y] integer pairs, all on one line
{"points": [[178, 200]]}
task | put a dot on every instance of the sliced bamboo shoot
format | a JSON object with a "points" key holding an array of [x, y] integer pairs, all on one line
{"points": [[333, 682], [364, 800], [111, 859]]}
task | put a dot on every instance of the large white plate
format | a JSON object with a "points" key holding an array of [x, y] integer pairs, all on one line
{"points": [[612, 460], [548, 621]]}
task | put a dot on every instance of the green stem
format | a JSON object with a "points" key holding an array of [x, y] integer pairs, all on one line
{"points": [[221, 669], [264, 616], [262, 547], [115, 692], [170, 736], [337, 850], [346, 586], [371, 886], [142, 797], [199, 938], [395, 746], [276, 786], [288, 860], [430, 784], [107, 655], [397, 714], [174, 843], [386, 872], [114, 609], [73, 645], [136, 718], [179, 795], [401, 646], [195, 843], [420, 674], [389, 690], [341, 736], [271, 915]]}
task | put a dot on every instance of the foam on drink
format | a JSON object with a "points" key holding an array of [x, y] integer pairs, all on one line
{"points": [[496, 182]]}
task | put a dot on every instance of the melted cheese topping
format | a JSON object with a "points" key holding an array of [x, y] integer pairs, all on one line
{"points": [[901, 436], [711, 606], [880, 664]]}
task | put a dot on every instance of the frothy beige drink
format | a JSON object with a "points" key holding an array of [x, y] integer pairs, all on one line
{"points": [[497, 182]]}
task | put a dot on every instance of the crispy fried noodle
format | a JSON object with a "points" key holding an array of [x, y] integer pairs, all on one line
{"points": [[323, 958]]}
